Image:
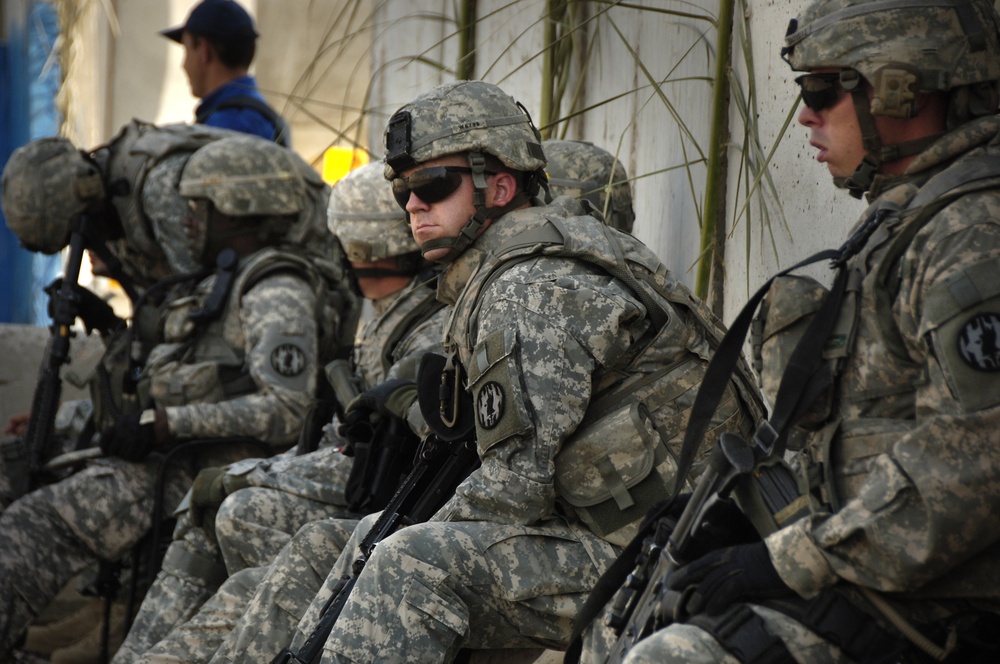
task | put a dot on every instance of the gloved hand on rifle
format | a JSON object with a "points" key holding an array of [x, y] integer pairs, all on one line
{"points": [[392, 398], [209, 489], [723, 577], [132, 437], [95, 313]]}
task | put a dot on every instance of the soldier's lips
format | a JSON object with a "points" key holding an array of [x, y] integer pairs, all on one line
{"points": [[821, 156]]}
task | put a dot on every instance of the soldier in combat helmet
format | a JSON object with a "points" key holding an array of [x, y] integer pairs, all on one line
{"points": [[547, 335], [895, 558], [239, 357]]}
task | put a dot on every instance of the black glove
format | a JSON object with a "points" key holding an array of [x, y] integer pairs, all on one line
{"points": [[128, 439], [725, 576], [95, 313], [389, 399]]}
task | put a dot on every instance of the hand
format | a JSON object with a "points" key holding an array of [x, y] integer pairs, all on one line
{"points": [[207, 493], [17, 425], [392, 398], [128, 439], [724, 576]]}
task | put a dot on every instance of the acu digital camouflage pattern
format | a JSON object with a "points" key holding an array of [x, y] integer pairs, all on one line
{"points": [[909, 505], [321, 475], [245, 176], [45, 184], [948, 44], [498, 566], [102, 512], [365, 218], [466, 116], [583, 170]]}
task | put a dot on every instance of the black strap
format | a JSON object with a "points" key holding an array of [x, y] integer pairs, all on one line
{"points": [[743, 633], [282, 136]]}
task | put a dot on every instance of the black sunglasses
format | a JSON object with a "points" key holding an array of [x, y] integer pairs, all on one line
{"points": [[431, 185], [820, 91]]}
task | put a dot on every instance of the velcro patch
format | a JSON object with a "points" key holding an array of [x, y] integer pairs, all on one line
{"points": [[288, 360], [979, 342]]}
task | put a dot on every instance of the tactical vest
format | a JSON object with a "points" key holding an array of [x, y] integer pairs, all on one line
{"points": [[622, 458], [377, 352], [206, 363], [129, 157], [791, 307]]}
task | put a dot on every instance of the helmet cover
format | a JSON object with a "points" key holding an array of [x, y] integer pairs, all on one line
{"points": [[583, 170], [365, 218], [46, 183]]}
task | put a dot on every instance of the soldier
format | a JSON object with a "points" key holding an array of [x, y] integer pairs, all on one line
{"points": [[297, 574], [569, 447], [896, 557], [280, 495], [239, 357]]}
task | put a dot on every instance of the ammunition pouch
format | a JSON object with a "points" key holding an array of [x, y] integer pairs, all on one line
{"points": [[612, 470]]}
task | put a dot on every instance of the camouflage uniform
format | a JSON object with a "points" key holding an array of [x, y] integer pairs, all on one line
{"points": [[508, 561], [254, 523], [103, 510], [287, 492], [267, 331], [906, 522], [154, 205]]}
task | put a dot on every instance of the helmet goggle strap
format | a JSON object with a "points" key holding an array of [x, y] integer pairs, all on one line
{"points": [[474, 226]]}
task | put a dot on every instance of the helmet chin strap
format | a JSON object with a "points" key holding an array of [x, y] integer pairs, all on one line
{"points": [[474, 226], [861, 179]]}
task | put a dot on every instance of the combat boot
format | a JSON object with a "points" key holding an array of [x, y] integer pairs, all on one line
{"points": [[87, 650], [43, 639]]}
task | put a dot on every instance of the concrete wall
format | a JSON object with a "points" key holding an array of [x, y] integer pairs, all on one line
{"points": [[119, 67], [22, 348]]}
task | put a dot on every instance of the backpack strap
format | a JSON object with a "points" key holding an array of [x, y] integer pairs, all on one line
{"points": [[281, 136]]}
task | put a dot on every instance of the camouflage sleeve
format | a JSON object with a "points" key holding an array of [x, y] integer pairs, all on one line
{"points": [[278, 316], [932, 503], [548, 328]]}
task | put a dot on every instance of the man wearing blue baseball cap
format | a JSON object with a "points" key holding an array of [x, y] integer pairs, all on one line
{"points": [[219, 40]]}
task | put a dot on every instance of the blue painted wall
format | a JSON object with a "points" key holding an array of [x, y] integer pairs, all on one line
{"points": [[29, 82]]}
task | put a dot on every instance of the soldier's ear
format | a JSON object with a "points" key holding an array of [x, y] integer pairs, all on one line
{"points": [[504, 188]]}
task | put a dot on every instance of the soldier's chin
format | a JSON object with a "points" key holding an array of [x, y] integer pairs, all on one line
{"points": [[435, 255]]}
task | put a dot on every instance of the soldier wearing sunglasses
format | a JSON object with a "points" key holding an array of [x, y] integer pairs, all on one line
{"points": [[896, 557], [556, 337]]}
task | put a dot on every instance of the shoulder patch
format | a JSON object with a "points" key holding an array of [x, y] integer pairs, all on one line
{"points": [[979, 342], [490, 404], [288, 360]]}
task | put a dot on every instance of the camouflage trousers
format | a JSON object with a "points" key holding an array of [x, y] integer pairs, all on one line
{"points": [[683, 643], [51, 534], [431, 589], [274, 616], [252, 525]]}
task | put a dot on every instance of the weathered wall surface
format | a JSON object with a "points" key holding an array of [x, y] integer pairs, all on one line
{"points": [[660, 132]]}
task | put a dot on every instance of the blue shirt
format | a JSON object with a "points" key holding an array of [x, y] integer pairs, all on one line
{"points": [[243, 119]]}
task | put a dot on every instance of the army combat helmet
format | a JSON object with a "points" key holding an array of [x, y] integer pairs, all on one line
{"points": [[902, 49], [364, 217], [246, 177], [475, 118], [45, 184], [583, 170]]}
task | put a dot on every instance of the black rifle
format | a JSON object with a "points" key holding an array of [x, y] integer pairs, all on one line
{"points": [[439, 467], [64, 308]]}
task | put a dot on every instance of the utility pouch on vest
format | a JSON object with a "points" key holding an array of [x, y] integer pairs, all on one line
{"points": [[611, 470]]}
